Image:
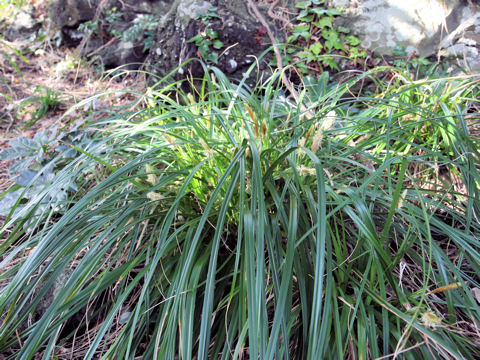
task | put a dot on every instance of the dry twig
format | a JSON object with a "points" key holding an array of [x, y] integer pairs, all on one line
{"points": [[278, 56]]}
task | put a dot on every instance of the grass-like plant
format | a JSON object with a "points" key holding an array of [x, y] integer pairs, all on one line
{"points": [[231, 223], [40, 103], [8, 53]]}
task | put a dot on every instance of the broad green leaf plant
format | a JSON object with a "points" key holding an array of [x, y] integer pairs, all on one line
{"points": [[316, 42]]}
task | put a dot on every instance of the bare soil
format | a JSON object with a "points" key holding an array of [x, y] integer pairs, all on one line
{"points": [[66, 76]]}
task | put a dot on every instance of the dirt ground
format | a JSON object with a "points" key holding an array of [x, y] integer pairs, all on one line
{"points": [[24, 83], [59, 72]]}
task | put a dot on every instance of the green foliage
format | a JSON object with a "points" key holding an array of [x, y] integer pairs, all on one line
{"points": [[207, 40], [29, 153], [210, 15], [234, 223], [37, 161], [143, 25], [66, 65], [89, 27], [43, 100], [112, 16], [9, 8], [16, 3], [315, 38], [416, 66], [109, 20]]}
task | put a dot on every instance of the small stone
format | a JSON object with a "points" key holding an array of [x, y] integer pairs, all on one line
{"points": [[124, 317], [232, 65]]}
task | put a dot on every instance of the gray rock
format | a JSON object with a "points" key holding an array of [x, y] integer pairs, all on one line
{"points": [[188, 10], [53, 292], [71, 13], [22, 25], [423, 27], [113, 42], [45, 301], [232, 65]]}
